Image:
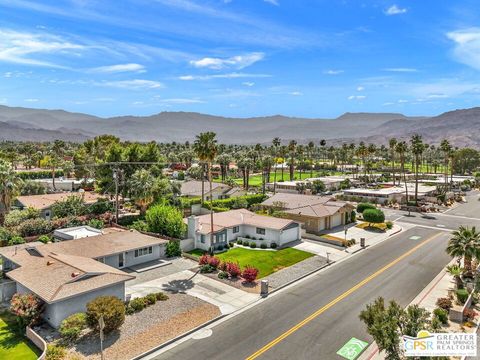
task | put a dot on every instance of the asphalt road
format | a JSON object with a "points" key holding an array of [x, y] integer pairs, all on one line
{"points": [[411, 267], [470, 209]]}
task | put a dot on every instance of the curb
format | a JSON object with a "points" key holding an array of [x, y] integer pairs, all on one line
{"points": [[168, 342], [300, 278], [396, 232]]}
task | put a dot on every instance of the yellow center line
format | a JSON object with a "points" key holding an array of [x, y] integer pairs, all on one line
{"points": [[335, 301]]}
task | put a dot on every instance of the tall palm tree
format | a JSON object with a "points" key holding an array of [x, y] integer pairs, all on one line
{"points": [[205, 146], [276, 143], [465, 243], [446, 149], [392, 143], [323, 143], [401, 149], [417, 151], [292, 147], [310, 149], [456, 271], [141, 186], [9, 185]]}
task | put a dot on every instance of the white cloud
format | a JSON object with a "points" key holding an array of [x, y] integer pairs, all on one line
{"points": [[401, 69], [395, 10], [238, 62], [234, 75], [30, 100], [356, 97], [182, 101], [248, 83], [24, 48], [437, 96], [273, 2], [137, 84], [296, 93], [388, 104], [402, 101], [333, 72], [360, 88], [131, 67], [467, 46]]}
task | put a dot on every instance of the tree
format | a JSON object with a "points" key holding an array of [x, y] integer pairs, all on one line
{"points": [[276, 143], [401, 149], [205, 147], [73, 205], [27, 308], [446, 148], [10, 185], [418, 148], [140, 187], [456, 271], [292, 147], [375, 216], [165, 220], [318, 186], [110, 308], [465, 243], [392, 144]]}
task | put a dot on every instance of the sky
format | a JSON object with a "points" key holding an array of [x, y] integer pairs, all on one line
{"points": [[240, 58]]}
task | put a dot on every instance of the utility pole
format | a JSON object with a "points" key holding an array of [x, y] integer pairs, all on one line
{"points": [[101, 326], [116, 175]]}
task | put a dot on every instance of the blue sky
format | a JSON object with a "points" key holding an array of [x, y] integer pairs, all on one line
{"points": [[312, 58]]}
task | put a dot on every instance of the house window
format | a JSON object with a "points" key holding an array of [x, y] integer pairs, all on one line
{"points": [[236, 229], [143, 251], [202, 239], [260, 231]]}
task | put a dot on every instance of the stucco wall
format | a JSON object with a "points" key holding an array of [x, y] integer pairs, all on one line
{"points": [[158, 251], [56, 312]]}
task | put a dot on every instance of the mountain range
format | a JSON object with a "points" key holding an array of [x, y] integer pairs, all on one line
{"points": [[461, 127]]}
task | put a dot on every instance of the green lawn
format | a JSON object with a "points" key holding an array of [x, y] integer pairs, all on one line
{"points": [[267, 262], [14, 346], [256, 180]]}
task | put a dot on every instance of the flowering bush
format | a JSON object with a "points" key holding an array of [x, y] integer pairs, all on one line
{"points": [[233, 269], [250, 274], [203, 260], [214, 261], [27, 308], [222, 266], [444, 303], [469, 314]]}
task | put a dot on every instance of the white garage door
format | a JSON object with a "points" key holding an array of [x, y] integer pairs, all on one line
{"points": [[336, 220]]}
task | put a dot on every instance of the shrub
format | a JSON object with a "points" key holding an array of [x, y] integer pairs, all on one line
{"points": [[72, 326], [139, 225], [273, 245], [138, 304], [462, 295], [223, 275], [203, 260], [173, 248], [5, 236], [33, 188], [389, 225], [55, 352], [207, 269], [16, 217], [16, 240], [72, 205], [442, 315], [353, 216], [233, 269], [100, 207], [250, 274], [165, 220], [27, 308], [222, 266], [364, 206], [239, 242], [150, 299], [96, 223], [263, 246], [373, 216], [444, 303], [469, 314], [45, 239], [161, 296], [213, 261], [247, 236], [231, 244], [110, 308], [253, 245], [31, 227]]}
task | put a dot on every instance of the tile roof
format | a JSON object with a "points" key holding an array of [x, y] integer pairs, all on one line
{"points": [[45, 201], [238, 217]]}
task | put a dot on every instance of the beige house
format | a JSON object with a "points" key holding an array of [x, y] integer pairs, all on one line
{"points": [[316, 213], [67, 275]]}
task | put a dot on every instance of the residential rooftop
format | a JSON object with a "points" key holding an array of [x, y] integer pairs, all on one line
{"points": [[45, 201]]}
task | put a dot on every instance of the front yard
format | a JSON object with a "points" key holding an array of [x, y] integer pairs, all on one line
{"points": [[267, 262], [14, 346]]}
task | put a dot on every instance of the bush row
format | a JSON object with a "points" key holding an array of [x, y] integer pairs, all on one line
{"points": [[138, 304]]}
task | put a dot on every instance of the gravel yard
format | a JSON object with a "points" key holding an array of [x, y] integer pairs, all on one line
{"points": [[148, 328]]}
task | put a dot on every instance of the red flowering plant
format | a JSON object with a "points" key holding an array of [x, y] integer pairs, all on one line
{"points": [[203, 260], [27, 308], [250, 274], [233, 269], [214, 261]]}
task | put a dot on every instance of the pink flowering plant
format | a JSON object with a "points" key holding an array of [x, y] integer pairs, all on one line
{"points": [[27, 308]]}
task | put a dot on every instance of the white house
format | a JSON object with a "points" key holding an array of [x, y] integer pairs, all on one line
{"points": [[230, 225]]}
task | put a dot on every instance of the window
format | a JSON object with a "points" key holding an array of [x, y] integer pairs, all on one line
{"points": [[236, 229], [261, 231], [202, 239], [143, 251]]}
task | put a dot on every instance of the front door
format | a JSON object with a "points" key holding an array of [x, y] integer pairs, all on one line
{"points": [[121, 260]]}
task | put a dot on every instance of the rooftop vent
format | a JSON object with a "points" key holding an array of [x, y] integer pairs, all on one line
{"points": [[49, 262], [75, 274]]}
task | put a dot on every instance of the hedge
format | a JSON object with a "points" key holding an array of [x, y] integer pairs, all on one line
{"points": [[364, 206], [230, 202], [44, 174]]}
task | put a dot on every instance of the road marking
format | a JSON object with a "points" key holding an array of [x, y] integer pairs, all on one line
{"points": [[336, 300], [415, 237], [352, 349], [440, 225]]}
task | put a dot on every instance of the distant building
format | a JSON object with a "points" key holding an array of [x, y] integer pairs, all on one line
{"points": [[193, 188], [76, 232]]}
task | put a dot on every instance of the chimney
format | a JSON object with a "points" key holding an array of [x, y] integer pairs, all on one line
{"points": [[192, 226]]}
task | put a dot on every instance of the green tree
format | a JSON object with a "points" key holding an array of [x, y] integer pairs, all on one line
{"points": [[73, 205], [110, 308], [375, 216], [165, 220], [140, 187], [418, 148], [10, 185], [465, 243]]}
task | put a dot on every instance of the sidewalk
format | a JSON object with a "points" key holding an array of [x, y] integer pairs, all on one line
{"points": [[227, 298]]}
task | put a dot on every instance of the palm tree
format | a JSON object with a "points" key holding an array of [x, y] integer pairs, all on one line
{"points": [[311, 148], [446, 148], [292, 146], [392, 143], [417, 151], [456, 271], [323, 143], [205, 146], [141, 186], [465, 243], [9, 185], [276, 143], [401, 149]]}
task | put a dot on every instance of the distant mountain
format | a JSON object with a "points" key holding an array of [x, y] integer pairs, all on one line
{"points": [[462, 127]]}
